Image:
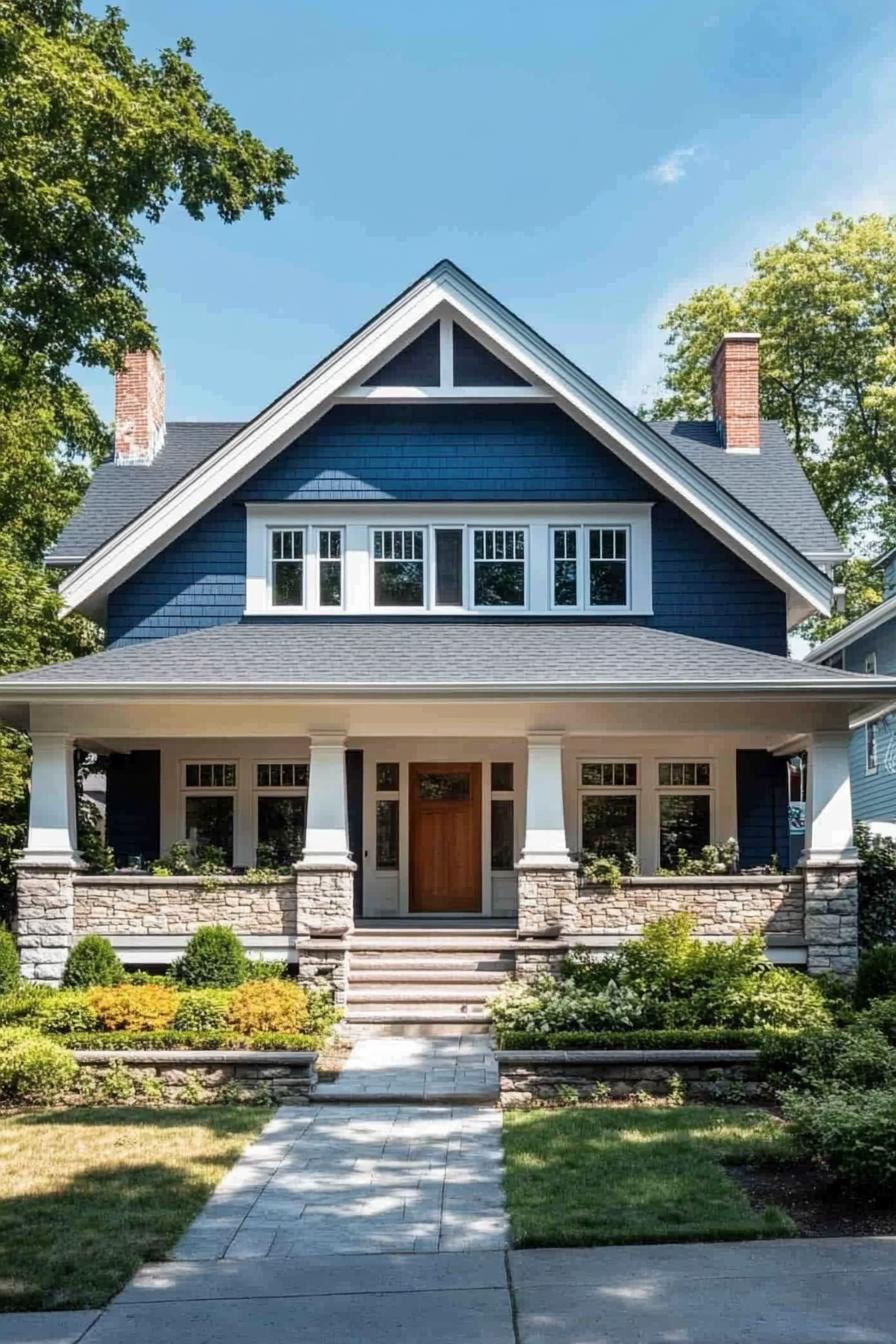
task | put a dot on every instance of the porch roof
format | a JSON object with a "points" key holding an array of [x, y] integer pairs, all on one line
{"points": [[352, 657]]}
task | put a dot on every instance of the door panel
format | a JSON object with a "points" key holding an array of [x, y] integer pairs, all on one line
{"points": [[446, 837]]}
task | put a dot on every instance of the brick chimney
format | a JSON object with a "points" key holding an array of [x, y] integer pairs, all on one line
{"points": [[735, 391], [139, 409]]}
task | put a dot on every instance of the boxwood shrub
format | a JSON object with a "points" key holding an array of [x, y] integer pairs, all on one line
{"points": [[189, 1040], [9, 962], [693, 1038], [92, 961], [214, 958]]}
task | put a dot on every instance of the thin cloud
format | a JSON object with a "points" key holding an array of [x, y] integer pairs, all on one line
{"points": [[673, 167]]}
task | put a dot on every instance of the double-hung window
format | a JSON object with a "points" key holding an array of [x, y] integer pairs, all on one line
{"points": [[281, 800], [685, 807], [398, 567], [209, 799], [565, 566], [871, 664], [288, 567], [608, 807], [608, 580], [330, 560], [499, 566]]}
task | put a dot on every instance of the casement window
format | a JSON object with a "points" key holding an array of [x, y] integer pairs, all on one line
{"points": [[608, 567], [872, 743], [608, 807], [387, 814], [871, 664], [499, 567], [503, 846], [281, 804], [685, 809], [449, 566], [330, 559], [209, 801], [287, 567], [565, 566], [398, 567]]}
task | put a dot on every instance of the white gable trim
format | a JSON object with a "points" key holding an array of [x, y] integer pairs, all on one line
{"points": [[446, 289]]}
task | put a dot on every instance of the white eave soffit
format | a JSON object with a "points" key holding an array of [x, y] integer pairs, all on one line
{"points": [[447, 291]]}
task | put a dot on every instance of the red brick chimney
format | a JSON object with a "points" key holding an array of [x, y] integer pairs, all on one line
{"points": [[139, 409], [735, 391]]}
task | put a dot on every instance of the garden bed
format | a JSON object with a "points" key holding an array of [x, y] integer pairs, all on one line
{"points": [[818, 1206]]}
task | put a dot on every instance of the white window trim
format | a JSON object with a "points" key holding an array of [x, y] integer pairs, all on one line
{"points": [[425, 561], [872, 735], [584, 791], [357, 522], [279, 608], [710, 790], [500, 796], [387, 796], [472, 562], [583, 569], [315, 560], [871, 663], [274, 791], [186, 791]]}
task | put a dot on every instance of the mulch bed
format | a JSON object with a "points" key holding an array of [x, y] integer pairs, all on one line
{"points": [[817, 1206]]}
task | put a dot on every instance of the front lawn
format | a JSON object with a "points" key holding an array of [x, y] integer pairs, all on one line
{"points": [[88, 1195], [606, 1176]]}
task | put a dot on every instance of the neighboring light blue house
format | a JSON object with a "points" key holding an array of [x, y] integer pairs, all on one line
{"points": [[868, 645], [438, 617]]}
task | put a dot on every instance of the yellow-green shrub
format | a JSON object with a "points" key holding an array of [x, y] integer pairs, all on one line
{"points": [[36, 1069], [268, 1005], [202, 1010], [134, 1007]]}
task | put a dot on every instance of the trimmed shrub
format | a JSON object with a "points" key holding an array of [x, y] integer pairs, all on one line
{"points": [[36, 1070], [876, 976], [880, 1014], [9, 962], [24, 1004], [189, 1040], [266, 970], [693, 1038], [322, 1014], [815, 1060], [202, 1010], [213, 959], [268, 1005], [66, 1011], [771, 997], [10, 1036], [92, 961], [852, 1135], [134, 1007]]}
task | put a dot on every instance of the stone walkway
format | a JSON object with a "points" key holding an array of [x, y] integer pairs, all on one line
{"points": [[452, 1069]]}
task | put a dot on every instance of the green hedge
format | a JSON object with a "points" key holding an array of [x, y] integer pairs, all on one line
{"points": [[187, 1040], [692, 1038]]}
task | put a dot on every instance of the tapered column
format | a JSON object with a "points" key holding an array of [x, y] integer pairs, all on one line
{"points": [[326, 831], [828, 800], [52, 818], [545, 843]]}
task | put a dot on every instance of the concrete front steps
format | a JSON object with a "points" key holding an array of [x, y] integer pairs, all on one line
{"points": [[425, 981]]}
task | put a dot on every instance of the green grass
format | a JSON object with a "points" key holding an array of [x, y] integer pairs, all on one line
{"points": [[88, 1195], [609, 1176]]}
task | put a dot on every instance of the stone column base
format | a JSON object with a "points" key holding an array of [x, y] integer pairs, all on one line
{"points": [[325, 899], [45, 921], [832, 917], [548, 899], [323, 964]]}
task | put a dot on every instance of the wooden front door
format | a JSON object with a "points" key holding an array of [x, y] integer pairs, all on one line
{"points": [[446, 838]]}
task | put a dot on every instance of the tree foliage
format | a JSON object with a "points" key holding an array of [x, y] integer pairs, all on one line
{"points": [[94, 141], [824, 302]]}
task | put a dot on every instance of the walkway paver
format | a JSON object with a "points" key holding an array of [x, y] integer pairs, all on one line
{"points": [[417, 1068]]}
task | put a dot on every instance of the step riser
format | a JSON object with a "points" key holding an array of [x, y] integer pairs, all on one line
{"points": [[355, 1031], [429, 996], [446, 978]]}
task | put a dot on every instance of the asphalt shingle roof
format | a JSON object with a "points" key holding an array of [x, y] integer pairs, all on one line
{"points": [[427, 654], [773, 485]]}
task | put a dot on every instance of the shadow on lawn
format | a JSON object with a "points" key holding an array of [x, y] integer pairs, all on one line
{"points": [[219, 1120]]}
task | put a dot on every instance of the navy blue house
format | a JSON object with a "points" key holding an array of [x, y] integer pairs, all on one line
{"points": [[440, 618]]}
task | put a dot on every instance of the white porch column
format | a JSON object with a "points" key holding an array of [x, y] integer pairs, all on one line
{"points": [[828, 800], [545, 843], [52, 818], [326, 831]]}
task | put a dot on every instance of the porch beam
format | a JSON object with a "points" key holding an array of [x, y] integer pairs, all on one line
{"points": [[326, 833], [545, 842], [52, 815]]}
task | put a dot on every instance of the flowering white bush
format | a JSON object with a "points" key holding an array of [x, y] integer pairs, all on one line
{"points": [[549, 1005]]}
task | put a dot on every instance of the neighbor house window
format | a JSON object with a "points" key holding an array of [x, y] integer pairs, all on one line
{"points": [[329, 566], [871, 664], [608, 807], [499, 567], [209, 799], [387, 814], [608, 567], [685, 807], [503, 847], [835, 661], [287, 567], [281, 801], [398, 579], [872, 732], [565, 566]]}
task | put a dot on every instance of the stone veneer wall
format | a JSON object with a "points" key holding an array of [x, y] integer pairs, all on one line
{"points": [[323, 963], [325, 899], [277, 1075], [832, 917], [43, 925], [531, 1076], [123, 904]]}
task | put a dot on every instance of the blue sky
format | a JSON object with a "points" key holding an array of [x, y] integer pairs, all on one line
{"points": [[589, 163]]}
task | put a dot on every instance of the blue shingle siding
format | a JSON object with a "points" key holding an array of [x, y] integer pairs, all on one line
{"points": [[133, 805], [417, 365], [762, 827], [474, 366], [529, 454]]}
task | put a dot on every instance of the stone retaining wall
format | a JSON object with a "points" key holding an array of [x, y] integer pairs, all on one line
{"points": [[122, 904], [529, 1077], [268, 1075], [723, 906]]}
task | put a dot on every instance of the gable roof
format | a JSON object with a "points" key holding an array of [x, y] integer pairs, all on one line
{"points": [[447, 289], [862, 625]]}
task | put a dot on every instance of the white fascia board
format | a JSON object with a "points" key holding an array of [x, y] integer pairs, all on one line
{"points": [[869, 712], [863, 625], [445, 288]]}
